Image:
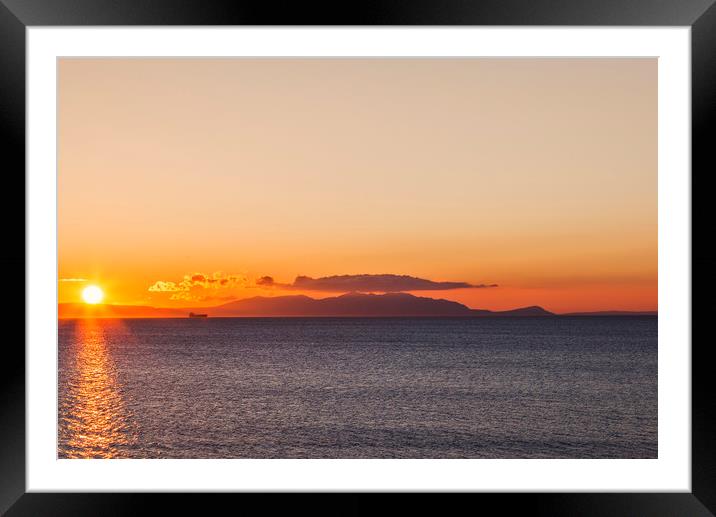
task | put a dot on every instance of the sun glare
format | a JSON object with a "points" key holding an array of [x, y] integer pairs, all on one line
{"points": [[92, 294]]}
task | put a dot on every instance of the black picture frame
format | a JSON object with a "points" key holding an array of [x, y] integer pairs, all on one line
{"points": [[700, 15]]}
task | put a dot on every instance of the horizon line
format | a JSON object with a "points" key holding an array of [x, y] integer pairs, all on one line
{"points": [[603, 312]]}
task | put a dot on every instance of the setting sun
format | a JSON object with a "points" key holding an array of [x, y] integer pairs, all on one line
{"points": [[242, 246], [92, 294]]}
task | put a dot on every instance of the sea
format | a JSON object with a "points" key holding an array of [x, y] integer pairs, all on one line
{"points": [[554, 387]]}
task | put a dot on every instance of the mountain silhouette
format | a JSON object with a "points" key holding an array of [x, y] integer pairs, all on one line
{"points": [[346, 305], [360, 305]]}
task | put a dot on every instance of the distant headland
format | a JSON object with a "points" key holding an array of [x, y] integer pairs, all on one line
{"points": [[359, 305]]}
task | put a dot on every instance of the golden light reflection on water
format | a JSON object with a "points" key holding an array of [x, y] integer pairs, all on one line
{"points": [[94, 421]]}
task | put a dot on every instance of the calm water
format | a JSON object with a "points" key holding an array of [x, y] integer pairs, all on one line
{"points": [[359, 388]]}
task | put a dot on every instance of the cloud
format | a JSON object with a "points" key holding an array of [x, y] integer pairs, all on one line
{"points": [[197, 281], [166, 287], [266, 281], [369, 283], [200, 286]]}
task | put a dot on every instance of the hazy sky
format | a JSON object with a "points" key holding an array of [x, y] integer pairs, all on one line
{"points": [[539, 175]]}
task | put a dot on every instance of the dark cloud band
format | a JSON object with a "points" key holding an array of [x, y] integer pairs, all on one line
{"points": [[380, 283]]}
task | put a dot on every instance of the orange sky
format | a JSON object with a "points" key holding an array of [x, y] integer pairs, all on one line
{"points": [[539, 175]]}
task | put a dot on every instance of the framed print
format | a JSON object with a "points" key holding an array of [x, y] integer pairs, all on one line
{"points": [[440, 250]]}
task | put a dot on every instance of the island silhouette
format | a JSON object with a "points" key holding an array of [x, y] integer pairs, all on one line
{"points": [[352, 304]]}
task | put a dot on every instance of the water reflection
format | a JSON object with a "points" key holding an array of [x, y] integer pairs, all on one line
{"points": [[93, 418]]}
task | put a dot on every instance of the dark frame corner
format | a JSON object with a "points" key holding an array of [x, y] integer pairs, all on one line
{"points": [[700, 15]]}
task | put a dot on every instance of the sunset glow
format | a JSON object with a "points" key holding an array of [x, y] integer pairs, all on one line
{"points": [[496, 183]]}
